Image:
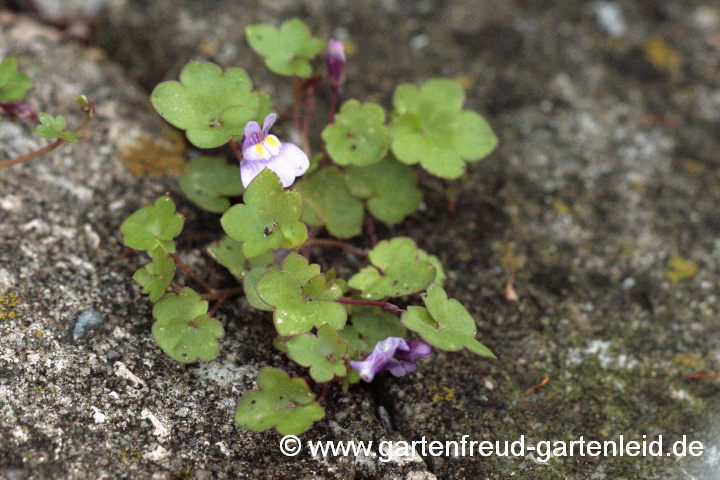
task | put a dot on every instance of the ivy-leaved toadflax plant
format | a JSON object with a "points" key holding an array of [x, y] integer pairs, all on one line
{"points": [[393, 313]]}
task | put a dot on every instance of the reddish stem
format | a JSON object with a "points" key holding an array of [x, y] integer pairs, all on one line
{"points": [[48, 148], [370, 228], [333, 104], [190, 273], [387, 306], [326, 242], [223, 294]]}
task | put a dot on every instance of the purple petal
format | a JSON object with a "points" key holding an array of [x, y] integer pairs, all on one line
{"points": [[380, 358], [253, 134], [336, 50], [418, 349], [268, 123], [250, 170], [398, 369]]}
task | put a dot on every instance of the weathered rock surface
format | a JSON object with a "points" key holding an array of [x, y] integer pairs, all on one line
{"points": [[607, 169], [84, 392]]}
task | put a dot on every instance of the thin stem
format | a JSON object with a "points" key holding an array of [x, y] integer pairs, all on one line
{"points": [[42, 151], [176, 288], [370, 228], [387, 306], [222, 294], [190, 273], [326, 242], [325, 387], [333, 104]]}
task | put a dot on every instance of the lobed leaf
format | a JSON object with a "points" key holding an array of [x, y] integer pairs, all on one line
{"points": [[359, 135], [209, 181], [210, 104], [183, 329], [228, 253], [281, 402], [389, 187], [155, 277], [301, 297], [444, 324], [327, 201], [431, 128], [287, 50], [269, 218], [153, 226], [323, 353], [54, 127], [396, 271]]}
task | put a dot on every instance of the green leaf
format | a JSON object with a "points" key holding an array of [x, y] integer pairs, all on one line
{"points": [[327, 201], [397, 271], [281, 402], [265, 107], [359, 135], [54, 128], [250, 283], [228, 253], [435, 262], [288, 50], [153, 226], [389, 187], [269, 219], [183, 329], [353, 377], [155, 277], [444, 324], [208, 181], [13, 83], [212, 106], [370, 325], [430, 128], [323, 353], [301, 296]]}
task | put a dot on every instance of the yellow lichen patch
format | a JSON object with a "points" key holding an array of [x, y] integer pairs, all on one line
{"points": [[444, 394], [680, 269], [154, 157], [11, 306], [561, 207], [662, 56], [690, 361]]}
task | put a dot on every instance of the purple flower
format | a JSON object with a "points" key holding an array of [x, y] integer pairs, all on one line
{"points": [[382, 355], [262, 150], [336, 63]]}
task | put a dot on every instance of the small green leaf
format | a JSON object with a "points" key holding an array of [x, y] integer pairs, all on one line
{"points": [[54, 128], [208, 181], [444, 324], [323, 353], [359, 135], [301, 296], [281, 402], [155, 277], [212, 106], [288, 50], [228, 253], [327, 201], [269, 219], [389, 187], [397, 271], [153, 226], [265, 107], [13, 83], [430, 128], [183, 329], [370, 325], [250, 283], [353, 377]]}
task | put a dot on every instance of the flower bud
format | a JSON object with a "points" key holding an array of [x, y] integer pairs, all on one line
{"points": [[336, 63]]}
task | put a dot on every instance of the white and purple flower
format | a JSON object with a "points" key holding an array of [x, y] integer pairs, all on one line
{"points": [[262, 150], [405, 354]]}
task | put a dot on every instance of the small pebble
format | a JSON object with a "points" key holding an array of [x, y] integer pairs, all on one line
{"points": [[610, 18], [85, 321]]}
